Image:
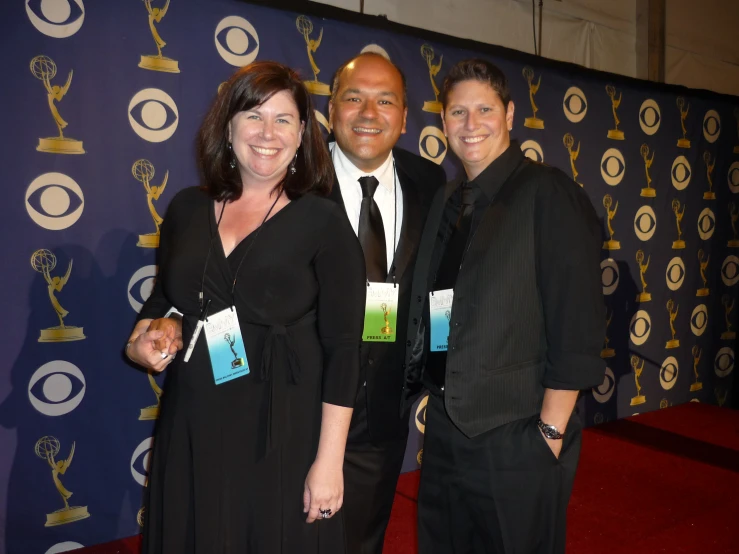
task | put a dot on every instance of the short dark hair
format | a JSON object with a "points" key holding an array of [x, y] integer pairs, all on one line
{"points": [[249, 87], [337, 75], [477, 70]]}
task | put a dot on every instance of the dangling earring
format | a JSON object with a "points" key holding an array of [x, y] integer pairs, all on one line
{"points": [[232, 163], [292, 165]]}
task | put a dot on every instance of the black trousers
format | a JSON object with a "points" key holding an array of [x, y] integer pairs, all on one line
{"points": [[503, 492], [371, 471]]}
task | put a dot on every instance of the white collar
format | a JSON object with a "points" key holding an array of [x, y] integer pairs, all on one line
{"points": [[344, 166]]}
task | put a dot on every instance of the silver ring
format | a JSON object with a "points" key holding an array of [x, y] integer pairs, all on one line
{"points": [[325, 515], [164, 355]]}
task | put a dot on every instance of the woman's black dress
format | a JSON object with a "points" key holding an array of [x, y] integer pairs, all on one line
{"points": [[230, 460]]}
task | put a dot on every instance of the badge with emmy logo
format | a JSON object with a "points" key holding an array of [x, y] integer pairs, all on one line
{"points": [[381, 312], [152, 412], [615, 133], [225, 346], [44, 69], [532, 122], [432, 106], [683, 142], [638, 369], [143, 171], [697, 385], [728, 303], [158, 62], [734, 214], [672, 310], [610, 213], [305, 27], [44, 261], [569, 141], [440, 314], [47, 448], [643, 296], [678, 244], [607, 351], [703, 264], [647, 192]]}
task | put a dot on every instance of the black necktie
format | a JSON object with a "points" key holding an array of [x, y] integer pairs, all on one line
{"points": [[457, 245], [372, 232]]}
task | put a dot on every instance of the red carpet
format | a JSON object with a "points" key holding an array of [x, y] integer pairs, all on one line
{"points": [[666, 481]]}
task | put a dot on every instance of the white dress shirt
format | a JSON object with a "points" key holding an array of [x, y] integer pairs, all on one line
{"points": [[385, 196]]}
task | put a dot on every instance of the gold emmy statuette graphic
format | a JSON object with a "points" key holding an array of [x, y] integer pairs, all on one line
{"points": [[683, 142], [305, 26], [639, 398], [236, 362], [419, 457], [152, 412], [703, 266], [663, 404], [433, 106], [721, 395], [614, 133], [696, 360], [644, 296], [709, 194], [143, 171], [386, 330], [44, 261], [728, 303], [608, 352], [734, 213], [679, 244], [140, 516], [532, 122], [44, 69], [672, 343], [158, 62], [736, 116], [647, 192], [610, 244], [569, 141], [46, 449]]}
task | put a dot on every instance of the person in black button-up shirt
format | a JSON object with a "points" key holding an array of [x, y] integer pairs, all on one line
{"points": [[519, 244]]}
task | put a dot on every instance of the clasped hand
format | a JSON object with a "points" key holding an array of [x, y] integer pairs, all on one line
{"points": [[153, 344]]}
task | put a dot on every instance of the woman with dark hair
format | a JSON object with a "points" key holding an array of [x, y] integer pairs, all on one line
{"points": [[270, 279]]}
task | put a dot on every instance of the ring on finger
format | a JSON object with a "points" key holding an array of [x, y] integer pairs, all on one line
{"points": [[164, 355], [325, 514]]}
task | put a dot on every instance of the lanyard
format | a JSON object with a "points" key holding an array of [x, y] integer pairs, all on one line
{"points": [[243, 257]]}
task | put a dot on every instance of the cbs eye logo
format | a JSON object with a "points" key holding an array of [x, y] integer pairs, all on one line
{"points": [[609, 276], [640, 327], [532, 150], [65, 546], [733, 178], [645, 223], [56, 388], [706, 224], [50, 204], [649, 117], [612, 167], [375, 49], [153, 115], [56, 18], [699, 320], [730, 271], [603, 393], [724, 362], [432, 144], [421, 414], [675, 273], [140, 286], [237, 41], [575, 105], [680, 173], [668, 373], [141, 460], [711, 126]]}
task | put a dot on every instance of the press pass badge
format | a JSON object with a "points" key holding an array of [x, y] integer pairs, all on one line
{"points": [[225, 346], [440, 312], [381, 313]]}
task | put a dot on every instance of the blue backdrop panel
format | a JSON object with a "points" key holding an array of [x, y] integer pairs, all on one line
{"points": [[99, 109]]}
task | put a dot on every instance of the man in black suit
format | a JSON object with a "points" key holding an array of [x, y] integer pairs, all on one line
{"points": [[386, 193], [507, 321]]}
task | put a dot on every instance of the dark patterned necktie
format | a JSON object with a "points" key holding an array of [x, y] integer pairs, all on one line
{"points": [[372, 232], [457, 245]]}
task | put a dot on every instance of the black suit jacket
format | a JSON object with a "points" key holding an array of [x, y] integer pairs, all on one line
{"points": [[383, 363]]}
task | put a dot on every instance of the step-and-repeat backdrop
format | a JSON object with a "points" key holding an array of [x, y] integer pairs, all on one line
{"points": [[100, 104]]}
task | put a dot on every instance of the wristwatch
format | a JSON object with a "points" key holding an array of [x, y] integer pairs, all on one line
{"points": [[550, 431]]}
